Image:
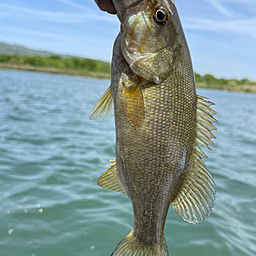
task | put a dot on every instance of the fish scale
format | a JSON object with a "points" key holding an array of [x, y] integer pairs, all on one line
{"points": [[161, 124]]}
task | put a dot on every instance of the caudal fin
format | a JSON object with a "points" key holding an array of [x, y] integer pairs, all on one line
{"points": [[131, 246]]}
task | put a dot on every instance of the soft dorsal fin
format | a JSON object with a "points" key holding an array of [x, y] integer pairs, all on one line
{"points": [[195, 200], [104, 107], [111, 179]]}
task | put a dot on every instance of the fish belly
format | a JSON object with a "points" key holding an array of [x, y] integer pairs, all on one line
{"points": [[153, 159]]}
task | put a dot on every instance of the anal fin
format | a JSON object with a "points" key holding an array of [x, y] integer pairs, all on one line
{"points": [[195, 200], [104, 107], [111, 179]]}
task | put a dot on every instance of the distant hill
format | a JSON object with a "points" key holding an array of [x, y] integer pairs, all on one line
{"points": [[23, 58], [6, 49]]}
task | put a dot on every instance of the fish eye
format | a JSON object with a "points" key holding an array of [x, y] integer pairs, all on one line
{"points": [[161, 16]]}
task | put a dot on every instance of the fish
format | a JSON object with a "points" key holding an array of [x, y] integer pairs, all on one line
{"points": [[161, 124]]}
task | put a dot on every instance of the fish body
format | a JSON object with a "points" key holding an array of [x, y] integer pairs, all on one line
{"points": [[160, 125]]}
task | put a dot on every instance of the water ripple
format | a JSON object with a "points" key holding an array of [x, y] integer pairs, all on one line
{"points": [[51, 156]]}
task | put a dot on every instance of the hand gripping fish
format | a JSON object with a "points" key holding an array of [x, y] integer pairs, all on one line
{"points": [[160, 122]]}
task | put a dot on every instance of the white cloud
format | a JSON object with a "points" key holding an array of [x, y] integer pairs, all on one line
{"points": [[221, 8], [229, 12], [74, 4], [232, 20], [62, 17], [235, 26], [249, 2], [40, 33]]}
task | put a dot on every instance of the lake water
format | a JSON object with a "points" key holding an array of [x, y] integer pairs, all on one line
{"points": [[51, 155]]}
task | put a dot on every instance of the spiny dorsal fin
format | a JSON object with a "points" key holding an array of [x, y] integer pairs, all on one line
{"points": [[104, 107], [111, 179], [195, 200]]}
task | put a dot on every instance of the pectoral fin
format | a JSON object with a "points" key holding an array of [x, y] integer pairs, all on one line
{"points": [[104, 107], [111, 179], [195, 200], [132, 100]]}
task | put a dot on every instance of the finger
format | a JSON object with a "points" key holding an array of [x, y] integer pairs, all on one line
{"points": [[106, 6]]}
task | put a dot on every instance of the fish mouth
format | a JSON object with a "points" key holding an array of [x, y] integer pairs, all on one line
{"points": [[139, 62], [125, 7], [146, 64]]}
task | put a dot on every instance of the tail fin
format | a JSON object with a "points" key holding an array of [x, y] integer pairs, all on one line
{"points": [[131, 246]]}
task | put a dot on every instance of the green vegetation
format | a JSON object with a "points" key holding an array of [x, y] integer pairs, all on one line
{"points": [[209, 81], [56, 61], [101, 69]]}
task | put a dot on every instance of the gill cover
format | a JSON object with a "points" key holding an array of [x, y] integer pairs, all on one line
{"points": [[148, 39]]}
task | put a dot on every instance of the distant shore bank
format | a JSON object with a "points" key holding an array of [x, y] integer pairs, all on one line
{"points": [[64, 71], [229, 87], [103, 75]]}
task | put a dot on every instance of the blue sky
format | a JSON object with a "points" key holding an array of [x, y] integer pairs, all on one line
{"points": [[221, 33]]}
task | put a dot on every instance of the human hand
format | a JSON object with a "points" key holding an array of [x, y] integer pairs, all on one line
{"points": [[106, 6]]}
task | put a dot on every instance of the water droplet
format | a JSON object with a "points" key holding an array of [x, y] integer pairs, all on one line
{"points": [[40, 210], [92, 248], [25, 211], [10, 231]]}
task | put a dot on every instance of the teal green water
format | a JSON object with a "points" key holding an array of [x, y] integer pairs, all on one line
{"points": [[51, 156]]}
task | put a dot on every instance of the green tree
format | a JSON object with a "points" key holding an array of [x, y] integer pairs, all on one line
{"points": [[210, 79], [198, 78], [245, 81]]}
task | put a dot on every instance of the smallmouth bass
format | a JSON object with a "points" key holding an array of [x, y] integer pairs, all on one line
{"points": [[160, 122]]}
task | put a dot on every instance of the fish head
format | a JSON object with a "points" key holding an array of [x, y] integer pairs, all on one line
{"points": [[147, 27], [148, 37]]}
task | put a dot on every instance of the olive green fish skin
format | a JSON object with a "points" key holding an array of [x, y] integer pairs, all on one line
{"points": [[153, 156], [160, 125]]}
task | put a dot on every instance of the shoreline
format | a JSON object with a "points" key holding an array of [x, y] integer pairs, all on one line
{"points": [[229, 87], [100, 75], [52, 70]]}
